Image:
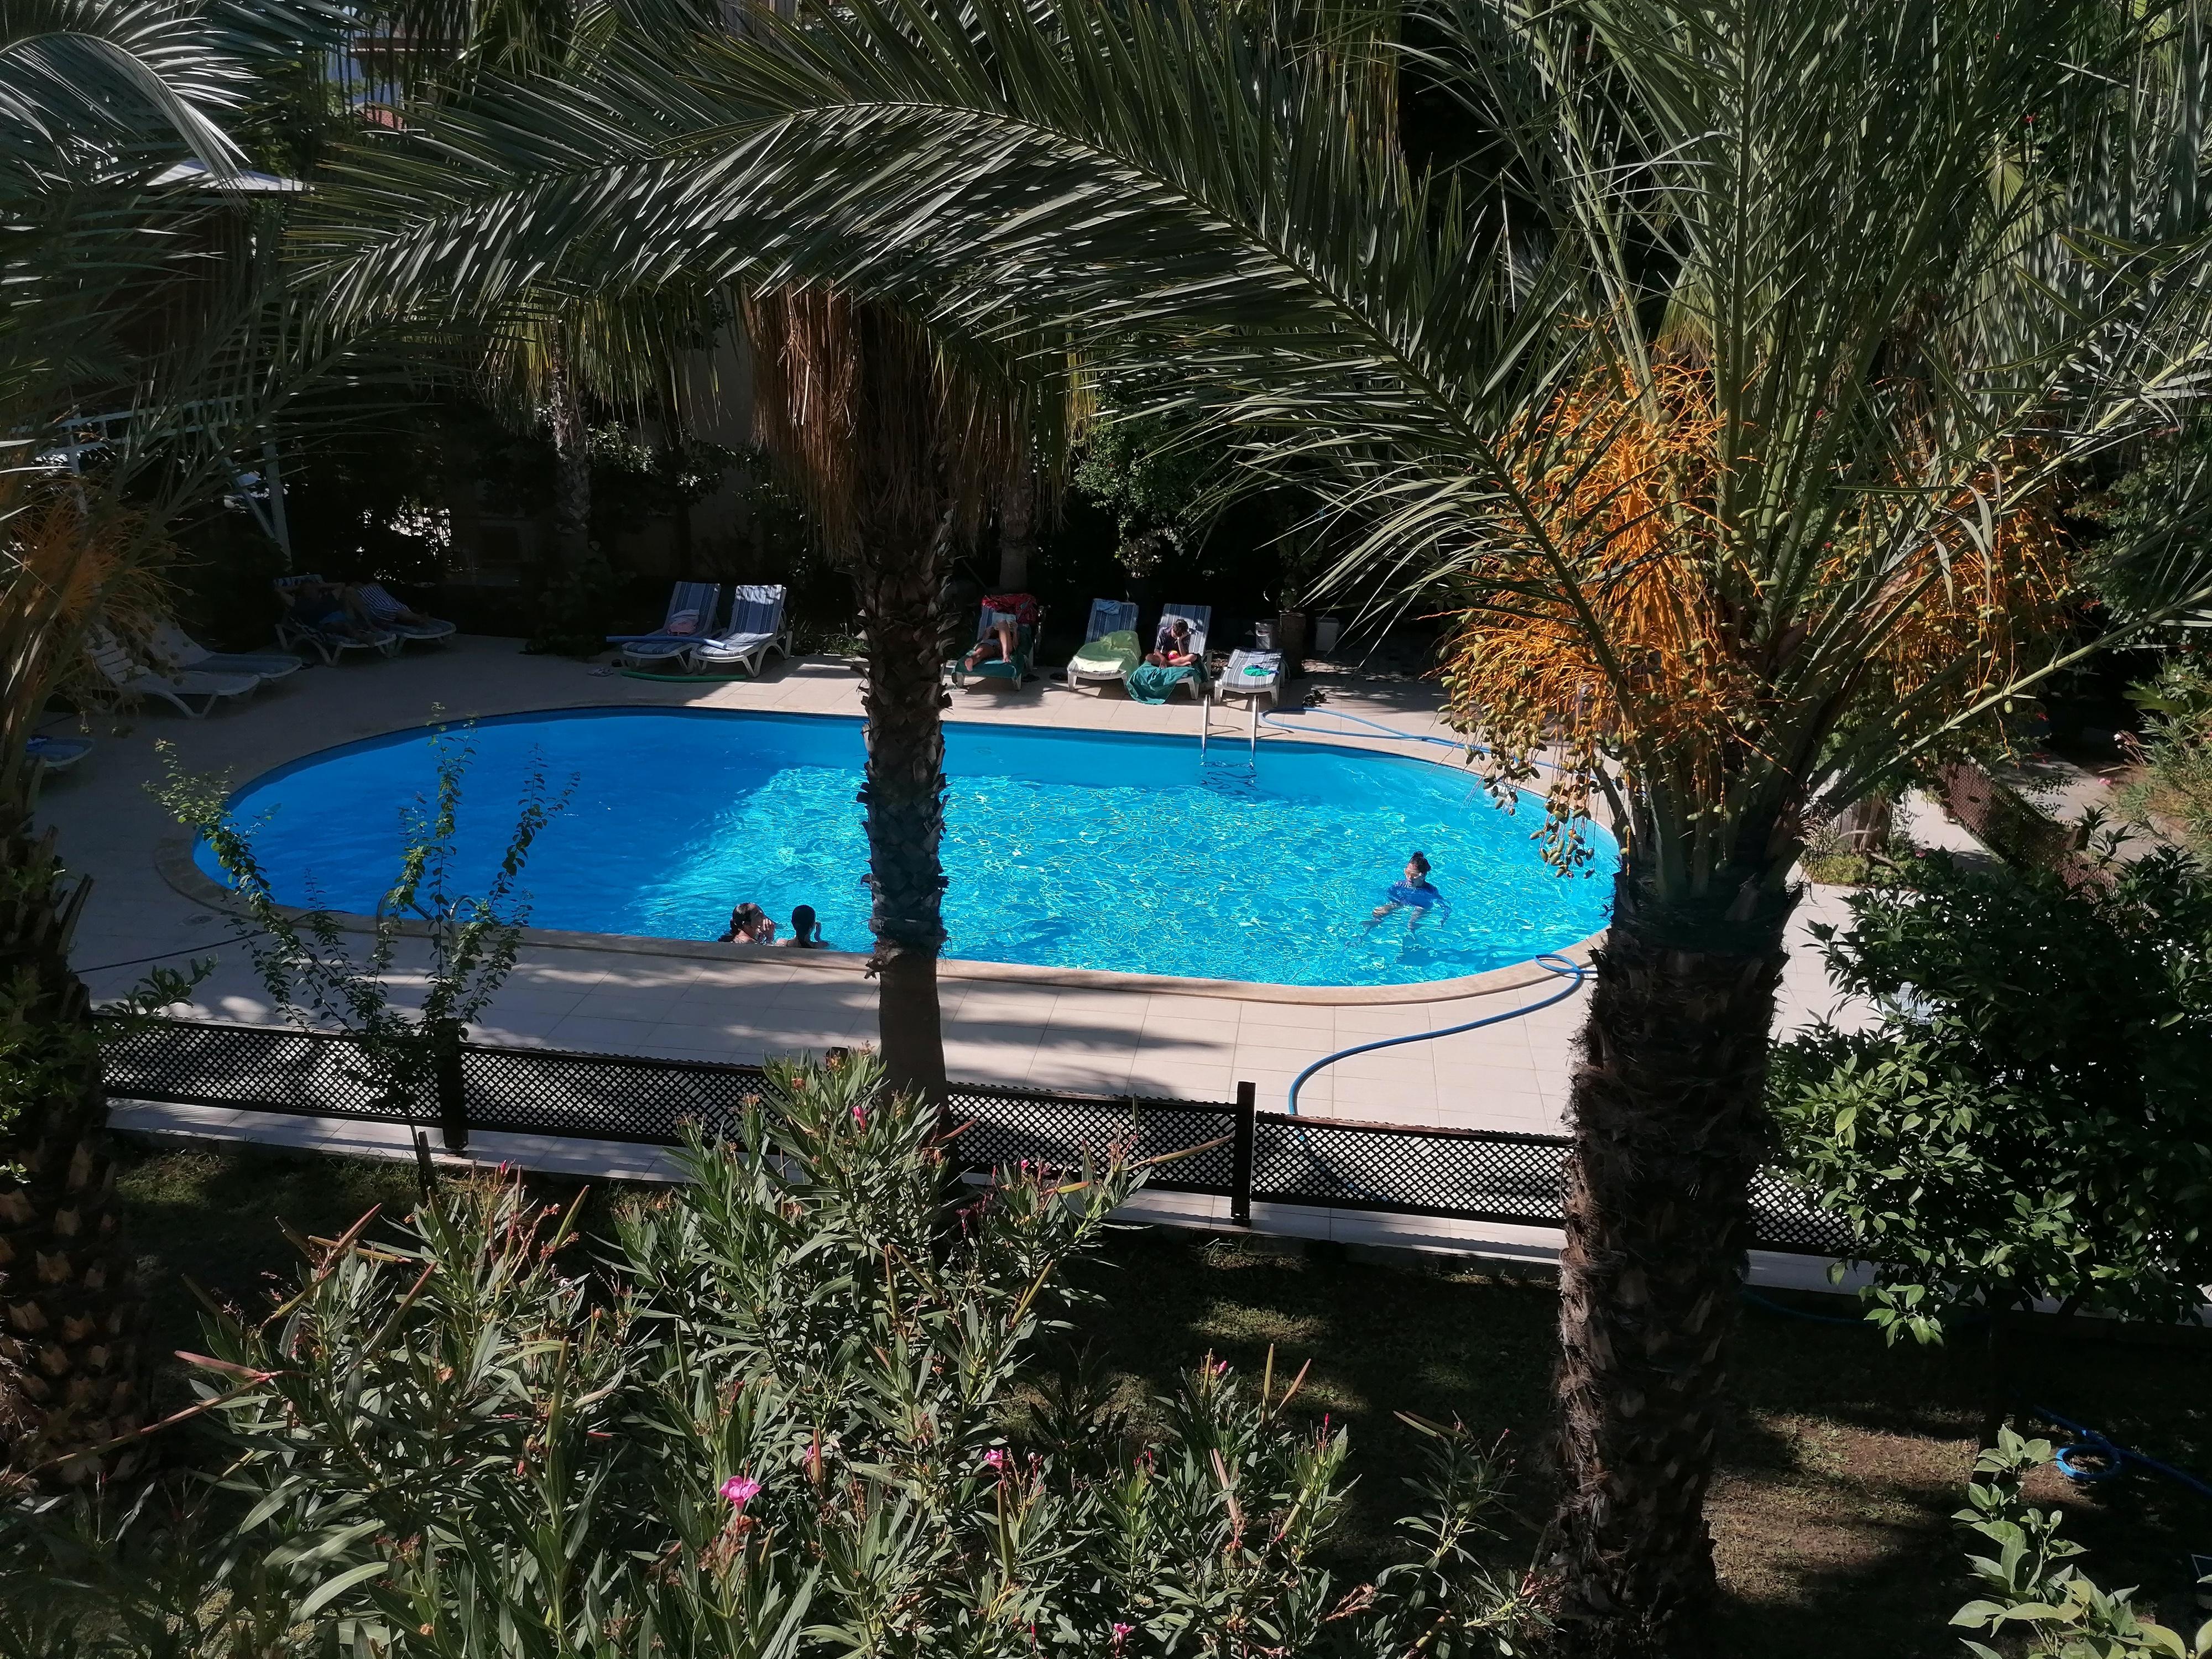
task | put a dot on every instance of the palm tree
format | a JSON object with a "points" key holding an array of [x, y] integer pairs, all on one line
{"points": [[124, 291], [1731, 415], [898, 446]]}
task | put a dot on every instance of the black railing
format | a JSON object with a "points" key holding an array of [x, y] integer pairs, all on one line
{"points": [[1227, 1149]]}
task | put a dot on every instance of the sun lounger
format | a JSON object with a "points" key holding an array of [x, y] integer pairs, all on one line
{"points": [[329, 643], [1251, 674], [755, 628], [1109, 645], [1200, 618], [383, 610], [1255, 675], [1014, 672], [177, 690], [689, 619], [175, 650]]}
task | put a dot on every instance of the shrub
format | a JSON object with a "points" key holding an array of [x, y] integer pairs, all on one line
{"points": [[2027, 1117], [771, 1419], [2175, 751], [2032, 1595]]}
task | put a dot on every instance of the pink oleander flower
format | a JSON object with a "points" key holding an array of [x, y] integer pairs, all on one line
{"points": [[995, 1459], [740, 1489], [860, 1116], [1121, 1635]]}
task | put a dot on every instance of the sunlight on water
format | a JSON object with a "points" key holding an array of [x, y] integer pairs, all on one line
{"points": [[1062, 848]]}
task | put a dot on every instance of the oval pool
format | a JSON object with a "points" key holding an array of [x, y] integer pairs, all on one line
{"points": [[1062, 848]]}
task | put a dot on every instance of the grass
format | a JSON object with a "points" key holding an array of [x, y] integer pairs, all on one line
{"points": [[1838, 1477]]}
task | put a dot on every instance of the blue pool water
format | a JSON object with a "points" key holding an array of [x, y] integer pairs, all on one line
{"points": [[1062, 848]]}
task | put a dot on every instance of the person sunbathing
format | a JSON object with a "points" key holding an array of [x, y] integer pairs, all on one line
{"points": [[1009, 614], [1171, 647], [330, 608]]}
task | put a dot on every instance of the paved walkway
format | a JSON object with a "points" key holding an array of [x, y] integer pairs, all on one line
{"points": [[730, 1004]]}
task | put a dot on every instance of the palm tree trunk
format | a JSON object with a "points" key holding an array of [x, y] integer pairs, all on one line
{"points": [[1017, 530], [70, 1372], [571, 471], [1669, 1126], [899, 576]]}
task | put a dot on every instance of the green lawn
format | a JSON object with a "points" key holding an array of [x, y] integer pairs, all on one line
{"points": [[1838, 1480]]}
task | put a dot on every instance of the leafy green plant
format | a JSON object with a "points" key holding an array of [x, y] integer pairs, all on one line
{"points": [[2027, 1119], [2031, 1593], [2175, 750], [305, 962], [771, 1415], [1153, 479]]}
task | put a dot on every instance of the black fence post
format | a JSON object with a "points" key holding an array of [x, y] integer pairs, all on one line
{"points": [[452, 1091], [1240, 1157]]}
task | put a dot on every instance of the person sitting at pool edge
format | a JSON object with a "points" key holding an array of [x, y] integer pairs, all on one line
{"points": [[806, 931], [749, 925], [1009, 614], [1171, 646], [1415, 893]]}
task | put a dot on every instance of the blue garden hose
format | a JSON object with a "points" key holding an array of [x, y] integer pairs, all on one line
{"points": [[1573, 972], [2094, 1457]]}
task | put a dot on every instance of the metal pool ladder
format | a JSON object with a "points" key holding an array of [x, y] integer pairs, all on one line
{"points": [[1253, 675]]}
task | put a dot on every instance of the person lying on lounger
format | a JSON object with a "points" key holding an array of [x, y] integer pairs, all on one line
{"points": [[330, 608], [1415, 893], [1009, 614]]}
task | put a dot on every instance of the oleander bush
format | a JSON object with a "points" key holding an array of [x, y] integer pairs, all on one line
{"points": [[799, 1406]]}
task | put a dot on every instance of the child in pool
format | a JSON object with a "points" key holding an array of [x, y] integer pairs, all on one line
{"points": [[749, 925], [1415, 893]]}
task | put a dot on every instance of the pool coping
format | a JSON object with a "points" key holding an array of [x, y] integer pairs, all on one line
{"points": [[173, 862]]}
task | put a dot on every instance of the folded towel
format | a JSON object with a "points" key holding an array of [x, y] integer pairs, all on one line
{"points": [[1150, 684]]}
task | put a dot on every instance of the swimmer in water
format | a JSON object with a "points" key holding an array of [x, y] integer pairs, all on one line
{"points": [[1415, 893]]}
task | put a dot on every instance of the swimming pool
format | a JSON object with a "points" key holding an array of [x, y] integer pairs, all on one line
{"points": [[1062, 848]]}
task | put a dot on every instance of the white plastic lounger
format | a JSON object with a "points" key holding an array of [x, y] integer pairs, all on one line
{"points": [[175, 650], [1256, 675], [1099, 662], [1200, 618], [177, 690], [689, 619], [383, 610], [755, 628], [328, 643]]}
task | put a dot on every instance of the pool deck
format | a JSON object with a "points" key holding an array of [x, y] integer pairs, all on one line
{"points": [[728, 1005]]}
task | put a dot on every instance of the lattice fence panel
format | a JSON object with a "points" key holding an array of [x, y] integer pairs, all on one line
{"points": [[1348, 1166], [1783, 1219], [267, 1069], [1473, 1175], [602, 1097], [1003, 1127]]}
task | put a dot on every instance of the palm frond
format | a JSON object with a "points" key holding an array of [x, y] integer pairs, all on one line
{"points": [[1912, 308]]}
